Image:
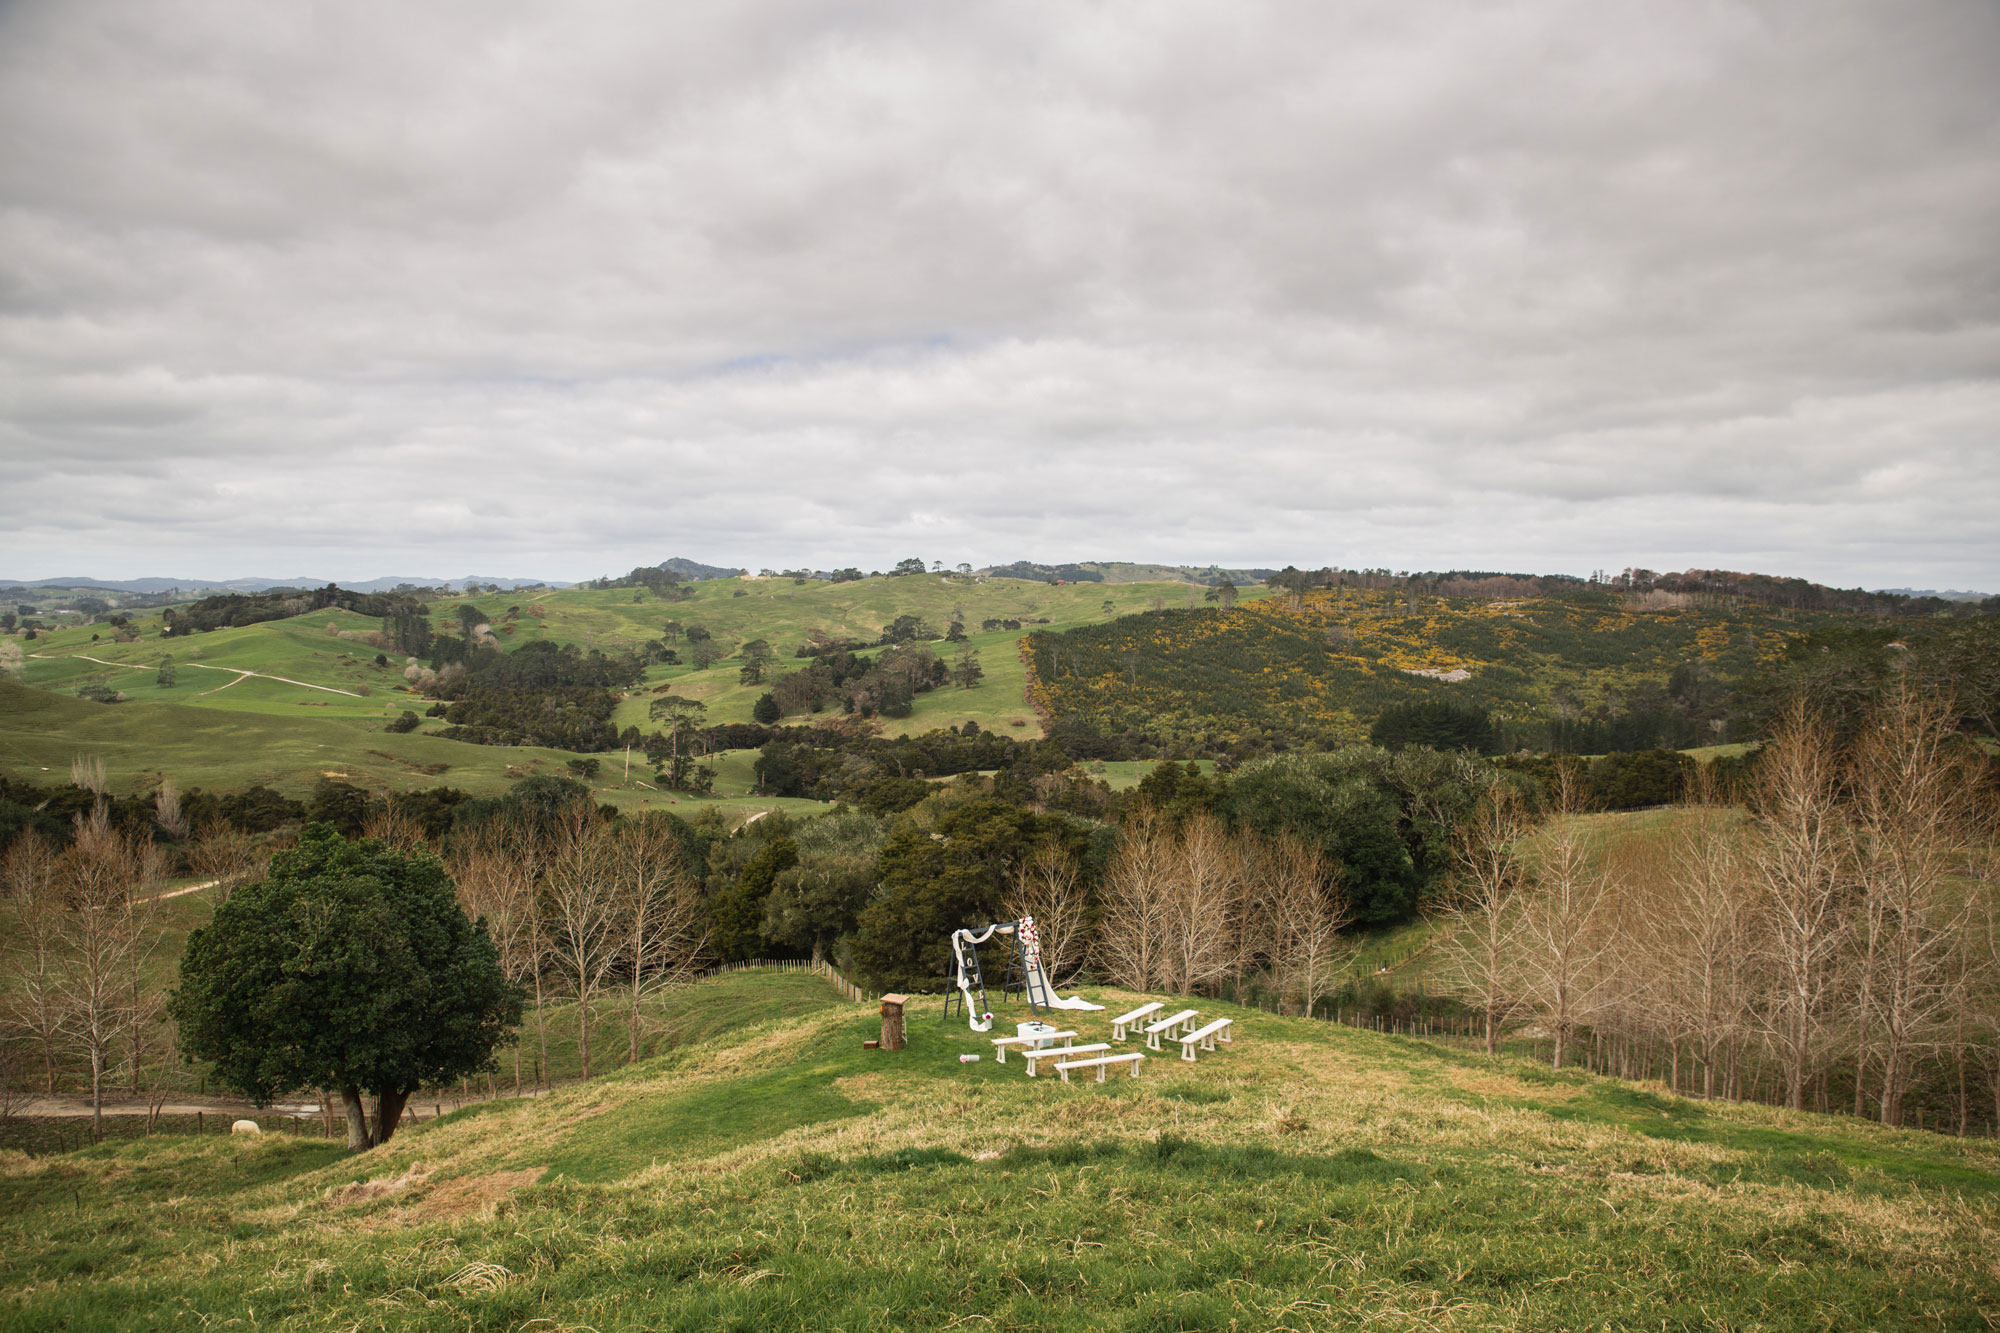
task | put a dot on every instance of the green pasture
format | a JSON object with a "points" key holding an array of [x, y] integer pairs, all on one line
{"points": [[1125, 774], [772, 1174], [217, 728], [782, 612], [219, 749]]}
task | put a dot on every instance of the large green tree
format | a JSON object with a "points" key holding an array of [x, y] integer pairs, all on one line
{"points": [[737, 912], [936, 882], [349, 967]]}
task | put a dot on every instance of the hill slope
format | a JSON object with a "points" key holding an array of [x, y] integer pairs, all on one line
{"points": [[778, 1176], [1326, 664], [320, 699]]}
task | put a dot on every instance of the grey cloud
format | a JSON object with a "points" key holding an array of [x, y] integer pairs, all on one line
{"points": [[1549, 285]]}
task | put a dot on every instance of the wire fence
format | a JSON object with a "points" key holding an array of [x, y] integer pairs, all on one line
{"points": [[818, 966]]}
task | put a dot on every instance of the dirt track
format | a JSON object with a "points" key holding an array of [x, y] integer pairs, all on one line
{"points": [[241, 674]]}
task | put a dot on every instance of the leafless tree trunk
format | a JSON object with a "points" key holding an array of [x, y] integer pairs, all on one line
{"points": [[1479, 933], [167, 809], [583, 902], [36, 1002], [162, 1080], [1131, 938], [398, 830], [1562, 926], [100, 877], [496, 875], [1049, 888], [356, 1112], [664, 918], [1198, 908], [1708, 933], [1253, 913], [1803, 868], [223, 853], [1308, 911], [1917, 799], [87, 771]]}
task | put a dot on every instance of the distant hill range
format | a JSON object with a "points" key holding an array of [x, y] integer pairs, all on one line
{"points": [[1948, 595], [694, 571], [196, 586], [1119, 571]]}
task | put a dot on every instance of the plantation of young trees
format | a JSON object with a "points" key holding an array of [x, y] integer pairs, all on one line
{"points": [[1834, 945]]}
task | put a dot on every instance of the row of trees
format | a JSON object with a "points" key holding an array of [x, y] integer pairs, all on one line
{"points": [[79, 987], [1190, 909], [1835, 935], [580, 904], [83, 988]]}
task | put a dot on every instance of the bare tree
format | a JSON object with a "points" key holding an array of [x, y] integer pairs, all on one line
{"points": [[582, 895], [167, 809], [1253, 915], [390, 825], [1706, 934], [1982, 1007], [1049, 888], [1917, 810], [14, 1092], [1563, 924], [1480, 925], [101, 878], [663, 917], [1803, 868], [1309, 909], [1132, 936], [87, 771], [164, 1077], [1201, 891], [224, 855], [498, 871], [36, 1001]]}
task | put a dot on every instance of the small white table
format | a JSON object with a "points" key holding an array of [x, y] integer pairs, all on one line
{"points": [[1031, 1036]]}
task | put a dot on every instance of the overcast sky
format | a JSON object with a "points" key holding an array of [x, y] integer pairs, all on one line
{"points": [[359, 289]]}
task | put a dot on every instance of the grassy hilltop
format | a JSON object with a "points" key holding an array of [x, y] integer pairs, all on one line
{"points": [[775, 1176]]}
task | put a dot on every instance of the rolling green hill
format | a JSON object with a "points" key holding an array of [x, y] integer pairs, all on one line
{"points": [[777, 1176], [285, 701]]}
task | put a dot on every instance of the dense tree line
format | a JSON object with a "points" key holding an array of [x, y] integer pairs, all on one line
{"points": [[542, 693], [885, 685], [236, 608]]}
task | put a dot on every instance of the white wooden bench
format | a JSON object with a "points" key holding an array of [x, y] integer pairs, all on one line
{"points": [[1167, 1025], [1101, 1063], [1205, 1037], [1123, 1021], [1061, 1052], [1033, 1041]]}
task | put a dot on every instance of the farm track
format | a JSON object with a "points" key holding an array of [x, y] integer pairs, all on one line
{"points": [[240, 673]]}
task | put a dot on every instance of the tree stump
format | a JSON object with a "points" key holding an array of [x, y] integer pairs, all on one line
{"points": [[892, 1021]]}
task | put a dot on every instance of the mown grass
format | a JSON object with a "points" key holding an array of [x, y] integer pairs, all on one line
{"points": [[778, 1176]]}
